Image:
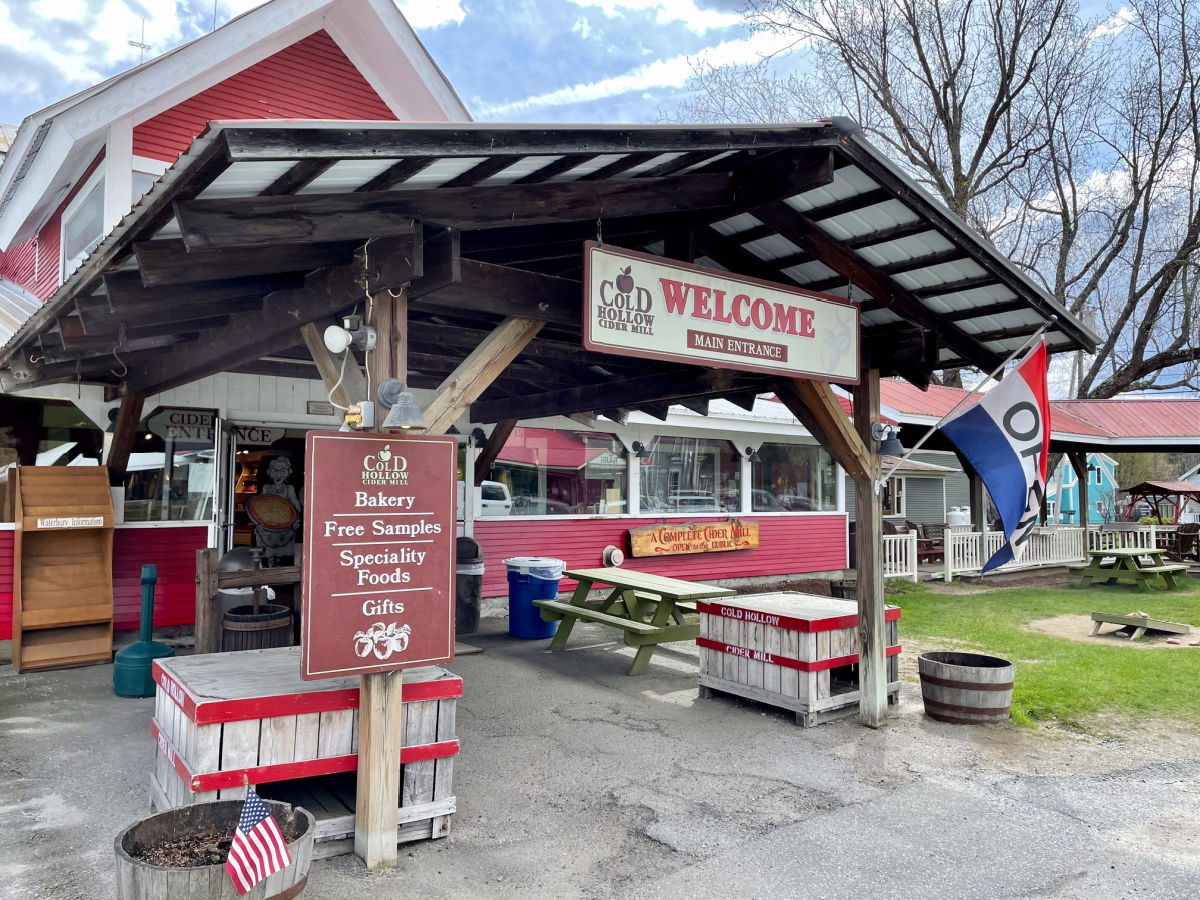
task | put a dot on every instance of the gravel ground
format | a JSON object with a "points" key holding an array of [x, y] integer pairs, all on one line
{"points": [[578, 781]]}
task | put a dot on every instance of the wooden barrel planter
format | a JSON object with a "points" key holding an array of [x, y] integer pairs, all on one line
{"points": [[141, 879], [243, 628], [966, 688]]}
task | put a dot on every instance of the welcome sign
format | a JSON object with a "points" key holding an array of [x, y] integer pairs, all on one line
{"points": [[637, 304]]}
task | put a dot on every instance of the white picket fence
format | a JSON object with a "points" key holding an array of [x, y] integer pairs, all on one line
{"points": [[900, 556], [967, 551], [1122, 537]]}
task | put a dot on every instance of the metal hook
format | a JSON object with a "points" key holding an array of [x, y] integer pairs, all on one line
{"points": [[117, 346], [600, 231]]}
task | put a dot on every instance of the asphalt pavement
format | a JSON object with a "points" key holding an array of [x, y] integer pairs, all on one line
{"points": [[576, 780]]}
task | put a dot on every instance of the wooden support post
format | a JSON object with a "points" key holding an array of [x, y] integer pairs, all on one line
{"points": [[978, 502], [817, 408], [380, 737], [208, 625], [491, 449], [343, 378], [872, 668], [124, 433], [380, 709], [477, 372], [1079, 463]]}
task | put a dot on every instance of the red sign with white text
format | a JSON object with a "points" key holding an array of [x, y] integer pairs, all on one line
{"points": [[638, 304], [379, 552]]}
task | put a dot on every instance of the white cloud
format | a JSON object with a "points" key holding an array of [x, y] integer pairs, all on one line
{"points": [[1114, 24], [696, 18], [662, 73], [582, 27], [425, 14]]}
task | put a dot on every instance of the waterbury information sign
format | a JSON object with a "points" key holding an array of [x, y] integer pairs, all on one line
{"points": [[636, 304], [378, 574]]}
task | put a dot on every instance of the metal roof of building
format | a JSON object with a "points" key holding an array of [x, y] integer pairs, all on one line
{"points": [[1113, 423], [866, 217], [16, 305]]}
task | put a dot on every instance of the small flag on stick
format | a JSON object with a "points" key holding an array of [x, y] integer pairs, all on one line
{"points": [[258, 848]]}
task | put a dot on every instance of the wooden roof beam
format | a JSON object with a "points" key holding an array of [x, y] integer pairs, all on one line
{"points": [[394, 262], [314, 218], [168, 261], [875, 282], [504, 291]]}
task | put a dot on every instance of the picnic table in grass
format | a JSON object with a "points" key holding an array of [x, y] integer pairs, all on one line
{"points": [[1128, 564], [649, 609]]}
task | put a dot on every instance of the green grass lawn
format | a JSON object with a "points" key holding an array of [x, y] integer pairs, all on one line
{"points": [[1074, 684]]}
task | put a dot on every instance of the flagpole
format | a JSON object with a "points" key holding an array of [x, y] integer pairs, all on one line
{"points": [[957, 406]]}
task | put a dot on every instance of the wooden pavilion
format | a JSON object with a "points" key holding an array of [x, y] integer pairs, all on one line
{"points": [[464, 246]]}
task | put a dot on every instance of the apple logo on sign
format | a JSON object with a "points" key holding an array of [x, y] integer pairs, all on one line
{"points": [[624, 281]]}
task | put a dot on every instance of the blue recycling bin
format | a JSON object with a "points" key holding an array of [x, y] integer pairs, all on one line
{"points": [[531, 578]]}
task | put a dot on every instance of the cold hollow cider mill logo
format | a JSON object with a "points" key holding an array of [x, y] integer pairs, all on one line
{"points": [[385, 467], [624, 306]]}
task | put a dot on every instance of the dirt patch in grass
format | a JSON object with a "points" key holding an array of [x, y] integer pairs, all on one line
{"points": [[1078, 628]]}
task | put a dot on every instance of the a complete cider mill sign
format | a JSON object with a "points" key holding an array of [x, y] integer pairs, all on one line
{"points": [[379, 553], [655, 308]]}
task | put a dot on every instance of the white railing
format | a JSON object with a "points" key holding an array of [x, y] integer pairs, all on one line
{"points": [[967, 551], [900, 556], [1122, 537]]}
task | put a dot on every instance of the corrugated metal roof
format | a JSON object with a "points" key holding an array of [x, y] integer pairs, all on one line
{"points": [[941, 275], [16, 305], [1110, 422], [1144, 417]]}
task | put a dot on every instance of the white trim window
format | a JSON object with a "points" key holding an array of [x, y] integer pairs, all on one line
{"points": [[893, 497], [82, 225]]}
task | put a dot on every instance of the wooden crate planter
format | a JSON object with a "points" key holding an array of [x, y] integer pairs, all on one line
{"points": [[791, 650], [221, 715], [62, 568]]}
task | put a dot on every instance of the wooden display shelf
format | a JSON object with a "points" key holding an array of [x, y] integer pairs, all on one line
{"points": [[62, 568]]}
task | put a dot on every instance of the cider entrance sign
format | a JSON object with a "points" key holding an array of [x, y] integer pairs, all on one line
{"points": [[379, 535], [637, 304]]}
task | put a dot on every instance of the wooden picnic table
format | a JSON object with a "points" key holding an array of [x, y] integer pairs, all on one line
{"points": [[1127, 565], [649, 609]]}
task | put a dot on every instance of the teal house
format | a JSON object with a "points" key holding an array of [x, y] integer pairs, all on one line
{"points": [[1063, 490]]}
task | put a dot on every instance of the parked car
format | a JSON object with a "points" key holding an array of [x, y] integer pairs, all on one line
{"points": [[795, 503], [495, 499], [765, 501], [693, 501], [528, 505]]}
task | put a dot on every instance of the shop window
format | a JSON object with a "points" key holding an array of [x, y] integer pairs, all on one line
{"points": [[691, 475], [893, 497], [162, 490], [793, 478], [548, 472]]}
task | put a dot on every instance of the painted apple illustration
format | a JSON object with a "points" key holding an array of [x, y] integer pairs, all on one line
{"points": [[625, 281], [386, 453]]}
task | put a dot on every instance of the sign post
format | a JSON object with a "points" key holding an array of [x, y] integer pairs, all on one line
{"points": [[378, 592]]}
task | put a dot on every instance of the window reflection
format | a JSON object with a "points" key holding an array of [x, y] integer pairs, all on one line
{"points": [[793, 478], [690, 475], [548, 472]]}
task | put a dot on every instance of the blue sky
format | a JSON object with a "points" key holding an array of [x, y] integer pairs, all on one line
{"points": [[529, 60]]}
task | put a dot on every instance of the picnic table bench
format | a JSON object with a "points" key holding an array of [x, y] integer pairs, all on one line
{"points": [[649, 609], [1127, 565]]}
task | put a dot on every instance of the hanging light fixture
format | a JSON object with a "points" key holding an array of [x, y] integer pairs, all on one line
{"points": [[752, 455], [639, 450], [885, 436], [403, 410]]}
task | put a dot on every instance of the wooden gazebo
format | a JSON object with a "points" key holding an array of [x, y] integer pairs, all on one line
{"points": [[463, 244]]}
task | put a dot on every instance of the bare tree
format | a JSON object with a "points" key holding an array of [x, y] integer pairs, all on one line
{"points": [[1071, 144]]}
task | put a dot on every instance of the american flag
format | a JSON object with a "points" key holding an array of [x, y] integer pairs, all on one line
{"points": [[258, 848]]}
